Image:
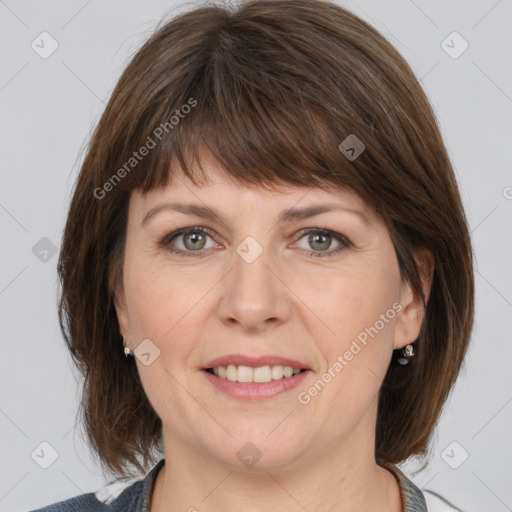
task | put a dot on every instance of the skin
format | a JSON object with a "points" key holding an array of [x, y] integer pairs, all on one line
{"points": [[318, 456]]}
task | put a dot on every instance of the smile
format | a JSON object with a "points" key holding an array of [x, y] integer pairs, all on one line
{"points": [[257, 383]]}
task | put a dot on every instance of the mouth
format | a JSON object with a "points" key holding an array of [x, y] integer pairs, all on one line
{"points": [[254, 383]]}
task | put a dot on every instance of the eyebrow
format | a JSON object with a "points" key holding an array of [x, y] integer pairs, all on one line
{"points": [[288, 215]]}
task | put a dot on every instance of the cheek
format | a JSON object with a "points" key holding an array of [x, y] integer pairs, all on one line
{"points": [[167, 305], [148, 302], [353, 299], [356, 309], [157, 298]]}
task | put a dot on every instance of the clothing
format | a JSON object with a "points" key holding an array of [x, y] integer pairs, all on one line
{"points": [[436, 503], [135, 496], [117, 497]]}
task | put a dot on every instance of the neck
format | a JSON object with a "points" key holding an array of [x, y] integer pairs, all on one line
{"points": [[339, 479]]}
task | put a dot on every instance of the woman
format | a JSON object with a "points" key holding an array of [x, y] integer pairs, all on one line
{"points": [[268, 226]]}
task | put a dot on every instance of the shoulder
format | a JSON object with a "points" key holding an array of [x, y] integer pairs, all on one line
{"points": [[112, 498], [436, 503], [124, 496], [417, 500], [84, 502]]}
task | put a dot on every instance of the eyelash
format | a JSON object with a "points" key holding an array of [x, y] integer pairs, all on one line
{"points": [[344, 242]]}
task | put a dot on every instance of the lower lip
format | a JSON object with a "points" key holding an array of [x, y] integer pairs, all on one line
{"points": [[255, 390]]}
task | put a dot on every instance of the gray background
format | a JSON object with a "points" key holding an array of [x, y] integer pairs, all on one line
{"points": [[48, 108]]}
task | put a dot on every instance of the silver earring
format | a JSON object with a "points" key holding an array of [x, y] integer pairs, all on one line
{"points": [[127, 350], [407, 354]]}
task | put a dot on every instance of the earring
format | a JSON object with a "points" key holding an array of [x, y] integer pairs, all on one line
{"points": [[407, 354], [127, 350]]}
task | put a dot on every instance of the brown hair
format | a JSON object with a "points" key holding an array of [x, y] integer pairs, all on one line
{"points": [[272, 88]]}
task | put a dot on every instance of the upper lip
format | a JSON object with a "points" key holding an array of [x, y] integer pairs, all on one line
{"points": [[240, 359]]}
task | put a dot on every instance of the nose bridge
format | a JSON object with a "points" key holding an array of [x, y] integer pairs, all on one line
{"points": [[251, 279], [254, 296]]}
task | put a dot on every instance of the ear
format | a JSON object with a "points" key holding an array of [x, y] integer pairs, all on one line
{"points": [[121, 310], [408, 324]]}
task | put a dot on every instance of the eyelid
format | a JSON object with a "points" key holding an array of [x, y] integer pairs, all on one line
{"points": [[327, 231]]}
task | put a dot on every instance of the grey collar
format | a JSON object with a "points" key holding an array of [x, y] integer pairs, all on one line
{"points": [[412, 497]]}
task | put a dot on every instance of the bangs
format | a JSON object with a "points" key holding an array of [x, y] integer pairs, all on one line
{"points": [[265, 121], [256, 139]]}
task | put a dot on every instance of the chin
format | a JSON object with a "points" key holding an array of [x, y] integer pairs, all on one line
{"points": [[257, 451]]}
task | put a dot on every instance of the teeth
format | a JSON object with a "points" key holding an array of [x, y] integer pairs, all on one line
{"points": [[248, 374], [277, 372], [231, 373], [245, 374], [261, 374]]}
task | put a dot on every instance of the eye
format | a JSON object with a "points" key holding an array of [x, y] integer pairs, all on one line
{"points": [[187, 240], [320, 240]]}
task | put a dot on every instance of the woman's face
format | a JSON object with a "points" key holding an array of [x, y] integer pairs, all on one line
{"points": [[323, 290]]}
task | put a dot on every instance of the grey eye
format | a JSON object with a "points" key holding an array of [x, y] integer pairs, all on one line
{"points": [[194, 240], [320, 240]]}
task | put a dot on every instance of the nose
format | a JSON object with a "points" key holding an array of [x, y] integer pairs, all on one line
{"points": [[255, 295]]}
